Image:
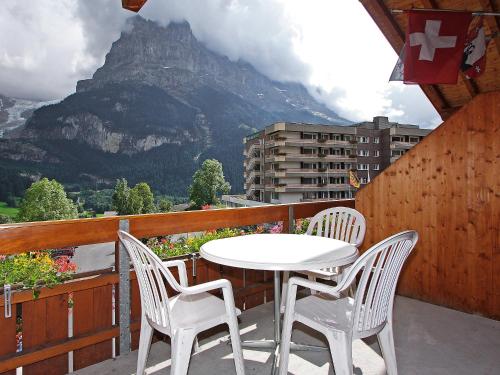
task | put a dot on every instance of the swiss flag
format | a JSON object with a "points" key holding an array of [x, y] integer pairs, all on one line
{"points": [[434, 46]]}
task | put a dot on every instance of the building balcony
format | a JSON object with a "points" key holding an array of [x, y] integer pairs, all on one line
{"points": [[296, 188], [319, 157], [405, 145], [317, 142], [295, 172]]}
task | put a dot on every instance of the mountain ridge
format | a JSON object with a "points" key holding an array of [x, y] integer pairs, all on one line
{"points": [[160, 92]]}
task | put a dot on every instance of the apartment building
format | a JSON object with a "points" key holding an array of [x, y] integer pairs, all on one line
{"points": [[295, 162]]}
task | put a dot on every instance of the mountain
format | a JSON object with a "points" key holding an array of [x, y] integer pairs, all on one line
{"points": [[161, 104]]}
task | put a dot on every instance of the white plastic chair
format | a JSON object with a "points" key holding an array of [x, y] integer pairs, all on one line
{"points": [[183, 316], [341, 223], [343, 319]]}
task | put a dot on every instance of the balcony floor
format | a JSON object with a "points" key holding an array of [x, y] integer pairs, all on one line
{"points": [[429, 340]]}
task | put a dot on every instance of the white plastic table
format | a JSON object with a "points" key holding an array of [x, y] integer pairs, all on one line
{"points": [[278, 252]]}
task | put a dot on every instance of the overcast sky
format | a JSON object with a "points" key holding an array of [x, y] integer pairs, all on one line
{"points": [[332, 47]]}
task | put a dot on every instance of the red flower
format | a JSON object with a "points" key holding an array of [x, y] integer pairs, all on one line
{"points": [[206, 207], [63, 264]]}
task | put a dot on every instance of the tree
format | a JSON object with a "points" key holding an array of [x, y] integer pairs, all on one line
{"points": [[138, 200], [146, 196], [164, 205], [208, 183], [46, 200]]}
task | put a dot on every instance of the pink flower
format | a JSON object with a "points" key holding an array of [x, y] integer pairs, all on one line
{"points": [[278, 228], [206, 207]]}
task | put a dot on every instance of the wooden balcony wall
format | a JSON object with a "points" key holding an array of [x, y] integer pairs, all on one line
{"points": [[45, 320], [448, 189]]}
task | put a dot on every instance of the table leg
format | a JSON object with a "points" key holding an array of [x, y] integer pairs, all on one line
{"points": [[277, 305]]}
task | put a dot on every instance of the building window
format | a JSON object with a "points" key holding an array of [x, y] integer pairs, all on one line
{"points": [[363, 139], [363, 153], [414, 139], [336, 137], [397, 139], [309, 135], [397, 152], [336, 151], [363, 180], [375, 167], [308, 150], [275, 181], [309, 195], [363, 167], [376, 140], [275, 196], [376, 153], [308, 180]]}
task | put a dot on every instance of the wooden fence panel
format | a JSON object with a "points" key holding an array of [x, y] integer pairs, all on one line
{"points": [[135, 312], [45, 321], [92, 312], [447, 189], [8, 342]]}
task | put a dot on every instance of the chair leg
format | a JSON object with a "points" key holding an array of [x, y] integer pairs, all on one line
{"points": [[386, 342], [196, 345], [144, 345], [341, 351], [312, 278], [182, 345], [286, 338], [234, 332], [286, 276]]}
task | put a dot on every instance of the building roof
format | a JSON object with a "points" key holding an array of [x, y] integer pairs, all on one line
{"points": [[445, 98]]}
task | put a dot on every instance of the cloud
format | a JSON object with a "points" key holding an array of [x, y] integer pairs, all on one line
{"points": [[332, 47], [257, 31]]}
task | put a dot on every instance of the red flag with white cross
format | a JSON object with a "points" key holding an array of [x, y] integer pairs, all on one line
{"points": [[434, 46]]}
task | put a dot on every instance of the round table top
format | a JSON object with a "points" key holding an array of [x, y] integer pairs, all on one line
{"points": [[279, 252]]}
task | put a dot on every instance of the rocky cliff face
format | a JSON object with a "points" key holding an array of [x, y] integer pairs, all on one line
{"points": [[160, 105]]}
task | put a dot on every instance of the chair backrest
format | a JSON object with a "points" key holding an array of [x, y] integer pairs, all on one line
{"points": [[380, 267], [341, 223], [151, 276]]}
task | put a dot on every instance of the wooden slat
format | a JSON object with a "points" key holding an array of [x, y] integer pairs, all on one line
{"points": [[70, 286], [64, 346], [22, 237], [92, 312], [194, 221], [135, 311], [44, 322], [8, 331], [447, 188], [302, 211]]}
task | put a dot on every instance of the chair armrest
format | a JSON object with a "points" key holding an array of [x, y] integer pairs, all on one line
{"points": [[205, 287], [181, 267], [334, 291]]}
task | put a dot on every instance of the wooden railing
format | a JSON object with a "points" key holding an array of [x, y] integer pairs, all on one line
{"points": [[49, 341]]}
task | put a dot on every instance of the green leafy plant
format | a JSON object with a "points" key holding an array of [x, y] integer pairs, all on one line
{"points": [[166, 247], [34, 270]]}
